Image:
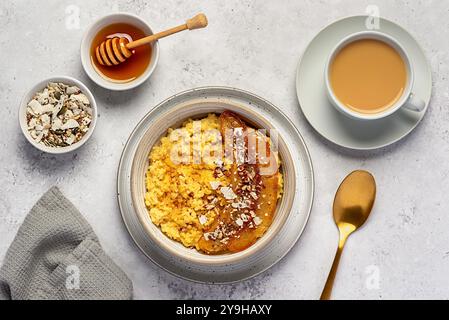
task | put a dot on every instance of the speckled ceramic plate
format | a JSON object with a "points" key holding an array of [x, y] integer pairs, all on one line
{"points": [[334, 126], [292, 213]]}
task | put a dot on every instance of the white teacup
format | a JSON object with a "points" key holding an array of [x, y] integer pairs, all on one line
{"points": [[408, 100]]}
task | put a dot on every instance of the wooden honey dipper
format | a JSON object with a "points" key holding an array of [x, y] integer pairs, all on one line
{"points": [[116, 50]]}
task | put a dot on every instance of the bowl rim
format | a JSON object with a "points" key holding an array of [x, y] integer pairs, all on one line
{"points": [[90, 71], [41, 85], [162, 240]]}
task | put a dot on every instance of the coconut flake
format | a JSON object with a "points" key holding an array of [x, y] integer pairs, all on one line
{"points": [[70, 124], [257, 221], [57, 124], [35, 106], [82, 98], [228, 193], [215, 184], [203, 219], [239, 222], [72, 90]]}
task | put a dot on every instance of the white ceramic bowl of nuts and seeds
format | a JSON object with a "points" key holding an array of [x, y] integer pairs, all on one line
{"points": [[58, 115]]}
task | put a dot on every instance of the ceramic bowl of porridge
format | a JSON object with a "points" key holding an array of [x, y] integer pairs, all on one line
{"points": [[210, 186]]}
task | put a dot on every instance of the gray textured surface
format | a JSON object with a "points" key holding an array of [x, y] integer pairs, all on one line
{"points": [[253, 45]]}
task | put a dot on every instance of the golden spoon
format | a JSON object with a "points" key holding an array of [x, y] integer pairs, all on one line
{"points": [[352, 206], [114, 51]]}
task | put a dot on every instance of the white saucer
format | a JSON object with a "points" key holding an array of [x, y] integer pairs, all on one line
{"points": [[331, 124]]}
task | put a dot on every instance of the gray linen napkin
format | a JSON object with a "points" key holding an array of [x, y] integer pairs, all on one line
{"points": [[56, 255]]}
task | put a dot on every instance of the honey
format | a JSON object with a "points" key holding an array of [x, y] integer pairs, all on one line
{"points": [[133, 67]]}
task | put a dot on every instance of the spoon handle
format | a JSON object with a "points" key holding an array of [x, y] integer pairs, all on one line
{"points": [[326, 294], [197, 22]]}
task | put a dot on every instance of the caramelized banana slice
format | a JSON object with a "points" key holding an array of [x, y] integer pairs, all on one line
{"points": [[266, 208], [266, 202], [236, 229], [211, 242], [208, 243]]}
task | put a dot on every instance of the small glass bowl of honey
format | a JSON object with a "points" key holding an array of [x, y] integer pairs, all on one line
{"points": [[135, 70]]}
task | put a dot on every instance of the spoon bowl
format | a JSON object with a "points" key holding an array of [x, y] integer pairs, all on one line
{"points": [[354, 199], [353, 204]]}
